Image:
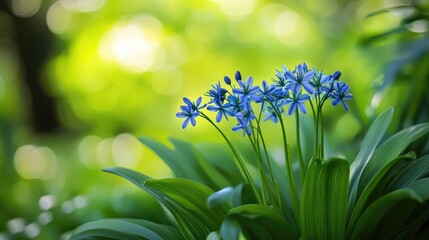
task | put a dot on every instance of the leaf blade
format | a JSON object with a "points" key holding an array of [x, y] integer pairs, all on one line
{"points": [[323, 209]]}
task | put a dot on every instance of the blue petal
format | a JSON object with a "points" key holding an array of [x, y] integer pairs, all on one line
{"points": [[335, 102], [290, 75], [345, 105], [185, 123], [292, 108], [301, 107], [308, 76], [180, 115], [219, 116], [193, 122]]}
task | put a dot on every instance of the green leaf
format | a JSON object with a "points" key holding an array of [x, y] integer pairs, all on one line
{"points": [[208, 164], [125, 229], [257, 222], [181, 159], [369, 144], [323, 209], [186, 200], [213, 236], [390, 212], [410, 173], [233, 196], [214, 176], [131, 175], [375, 189], [389, 150]]}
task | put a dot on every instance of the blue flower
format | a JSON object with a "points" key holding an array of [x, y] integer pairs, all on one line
{"points": [[297, 102], [190, 111], [233, 105], [246, 90], [244, 119], [267, 93], [300, 77], [340, 94], [221, 111], [217, 94], [271, 114], [321, 83]]}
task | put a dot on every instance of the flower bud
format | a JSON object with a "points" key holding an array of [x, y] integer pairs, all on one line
{"points": [[336, 75], [227, 80], [238, 76]]}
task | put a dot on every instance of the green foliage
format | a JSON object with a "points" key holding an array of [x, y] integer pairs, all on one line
{"points": [[324, 199], [383, 195]]}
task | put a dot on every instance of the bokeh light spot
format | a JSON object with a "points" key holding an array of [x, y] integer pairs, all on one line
{"points": [[126, 150], [25, 8], [68, 207], [47, 202], [35, 162], [32, 230], [87, 151], [103, 151], [59, 19], [16, 225], [79, 202], [45, 218], [83, 5], [237, 8], [284, 23], [134, 44]]}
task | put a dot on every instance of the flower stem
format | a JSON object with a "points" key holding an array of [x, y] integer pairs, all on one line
{"points": [[272, 190], [289, 170], [262, 175], [241, 164], [322, 140], [298, 142]]}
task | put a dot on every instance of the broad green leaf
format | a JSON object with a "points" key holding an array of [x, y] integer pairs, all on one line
{"points": [[214, 176], [370, 142], [410, 173], [131, 175], [233, 196], [389, 150], [391, 212], [375, 189], [206, 164], [213, 236], [186, 200], [181, 159], [323, 209], [125, 229], [257, 222], [230, 229]]}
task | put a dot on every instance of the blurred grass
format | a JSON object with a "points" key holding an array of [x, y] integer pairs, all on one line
{"points": [[117, 67]]}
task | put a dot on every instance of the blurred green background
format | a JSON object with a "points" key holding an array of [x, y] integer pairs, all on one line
{"points": [[80, 80]]}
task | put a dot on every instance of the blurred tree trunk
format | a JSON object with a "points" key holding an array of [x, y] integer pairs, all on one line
{"points": [[34, 42]]}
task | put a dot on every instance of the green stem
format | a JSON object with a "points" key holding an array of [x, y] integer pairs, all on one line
{"points": [[298, 142], [315, 129], [322, 140], [241, 164], [263, 177], [289, 170], [270, 171], [316, 135]]}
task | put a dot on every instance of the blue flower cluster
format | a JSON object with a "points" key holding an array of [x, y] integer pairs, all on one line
{"points": [[291, 87]]}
